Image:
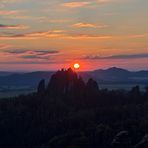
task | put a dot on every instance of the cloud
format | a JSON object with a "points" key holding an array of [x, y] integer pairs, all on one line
{"points": [[88, 36], [26, 51], [124, 56], [26, 56], [88, 25], [35, 57], [16, 15], [105, 1], [138, 35], [8, 12], [28, 62], [63, 34], [3, 3], [47, 34], [4, 46], [33, 35], [75, 4], [52, 34], [16, 51], [31, 54], [19, 17], [54, 21], [13, 26]]}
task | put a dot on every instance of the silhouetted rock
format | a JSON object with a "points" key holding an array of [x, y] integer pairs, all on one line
{"points": [[41, 87], [62, 82]]}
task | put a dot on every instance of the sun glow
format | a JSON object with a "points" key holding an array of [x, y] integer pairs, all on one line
{"points": [[76, 65]]}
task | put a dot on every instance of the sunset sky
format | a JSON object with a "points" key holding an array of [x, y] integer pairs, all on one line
{"points": [[51, 34]]}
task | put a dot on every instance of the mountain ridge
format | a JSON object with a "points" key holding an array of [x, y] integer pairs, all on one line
{"points": [[110, 75]]}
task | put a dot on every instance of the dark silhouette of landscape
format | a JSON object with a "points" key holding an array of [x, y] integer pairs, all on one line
{"points": [[71, 111], [15, 83], [111, 75]]}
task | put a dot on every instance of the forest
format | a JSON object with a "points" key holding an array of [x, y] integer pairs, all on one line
{"points": [[71, 113]]}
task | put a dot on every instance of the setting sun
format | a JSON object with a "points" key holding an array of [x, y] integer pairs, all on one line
{"points": [[76, 66]]}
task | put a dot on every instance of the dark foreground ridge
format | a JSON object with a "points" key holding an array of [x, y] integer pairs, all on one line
{"points": [[71, 113]]}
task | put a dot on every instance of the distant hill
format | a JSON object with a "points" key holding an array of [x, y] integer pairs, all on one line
{"points": [[5, 73], [118, 75], [28, 79], [109, 76]]}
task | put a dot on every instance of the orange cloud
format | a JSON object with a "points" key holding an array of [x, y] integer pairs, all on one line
{"points": [[8, 12], [75, 4], [13, 26], [138, 35], [58, 21], [4, 46], [53, 34], [14, 14], [86, 36], [34, 35], [65, 35], [50, 33], [88, 25]]}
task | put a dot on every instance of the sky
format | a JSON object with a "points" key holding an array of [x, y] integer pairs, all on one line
{"points": [[54, 34]]}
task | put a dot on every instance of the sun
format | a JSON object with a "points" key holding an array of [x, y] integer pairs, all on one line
{"points": [[76, 65]]}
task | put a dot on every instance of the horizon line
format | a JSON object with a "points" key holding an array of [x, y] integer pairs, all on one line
{"points": [[54, 70]]}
